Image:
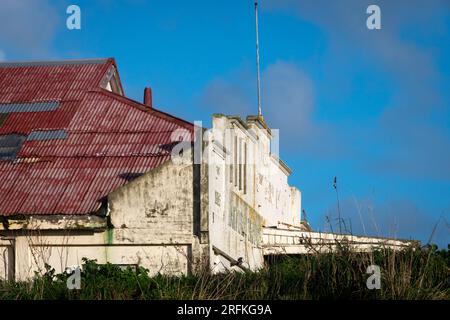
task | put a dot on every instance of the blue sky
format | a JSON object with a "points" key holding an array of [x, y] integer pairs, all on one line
{"points": [[371, 107]]}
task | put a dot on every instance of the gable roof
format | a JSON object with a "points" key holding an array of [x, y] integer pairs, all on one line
{"points": [[82, 141]]}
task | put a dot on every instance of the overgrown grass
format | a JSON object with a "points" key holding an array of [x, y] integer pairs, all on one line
{"points": [[410, 274]]}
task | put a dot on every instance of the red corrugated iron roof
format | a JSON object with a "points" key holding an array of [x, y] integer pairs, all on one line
{"points": [[110, 138]]}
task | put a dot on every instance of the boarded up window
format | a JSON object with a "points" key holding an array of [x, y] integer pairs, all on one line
{"points": [[10, 145]]}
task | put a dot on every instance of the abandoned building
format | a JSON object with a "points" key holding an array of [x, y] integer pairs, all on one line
{"points": [[87, 172]]}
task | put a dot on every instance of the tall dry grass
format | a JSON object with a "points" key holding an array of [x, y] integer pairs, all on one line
{"points": [[415, 273]]}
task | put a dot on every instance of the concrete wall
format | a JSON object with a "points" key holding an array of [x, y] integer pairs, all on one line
{"points": [[235, 227], [276, 200], [156, 212], [151, 222], [248, 189], [66, 249], [289, 241]]}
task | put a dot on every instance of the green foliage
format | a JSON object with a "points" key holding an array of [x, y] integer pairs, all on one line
{"points": [[414, 273]]}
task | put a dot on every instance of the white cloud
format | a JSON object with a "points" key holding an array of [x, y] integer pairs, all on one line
{"points": [[288, 104], [289, 101], [2, 56], [27, 26], [407, 60]]}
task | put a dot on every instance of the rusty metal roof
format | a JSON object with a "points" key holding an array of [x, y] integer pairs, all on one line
{"points": [[87, 144], [52, 63]]}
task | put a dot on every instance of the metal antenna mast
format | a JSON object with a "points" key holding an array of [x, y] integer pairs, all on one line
{"points": [[257, 60]]}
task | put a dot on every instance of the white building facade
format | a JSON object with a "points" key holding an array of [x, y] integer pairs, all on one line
{"points": [[248, 190]]}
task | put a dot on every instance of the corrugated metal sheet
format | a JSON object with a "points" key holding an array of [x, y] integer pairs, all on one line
{"points": [[51, 63], [29, 107], [31, 82], [108, 139]]}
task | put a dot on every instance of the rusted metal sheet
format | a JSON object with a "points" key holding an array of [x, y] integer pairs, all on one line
{"points": [[83, 149]]}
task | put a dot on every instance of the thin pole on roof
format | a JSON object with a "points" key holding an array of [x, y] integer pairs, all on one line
{"points": [[257, 60]]}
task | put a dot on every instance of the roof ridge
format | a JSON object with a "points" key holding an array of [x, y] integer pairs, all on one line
{"points": [[142, 107], [30, 63]]}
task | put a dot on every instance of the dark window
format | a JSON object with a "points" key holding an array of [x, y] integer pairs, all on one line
{"points": [[3, 117], [10, 145], [245, 167], [240, 164], [235, 161], [231, 165]]}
